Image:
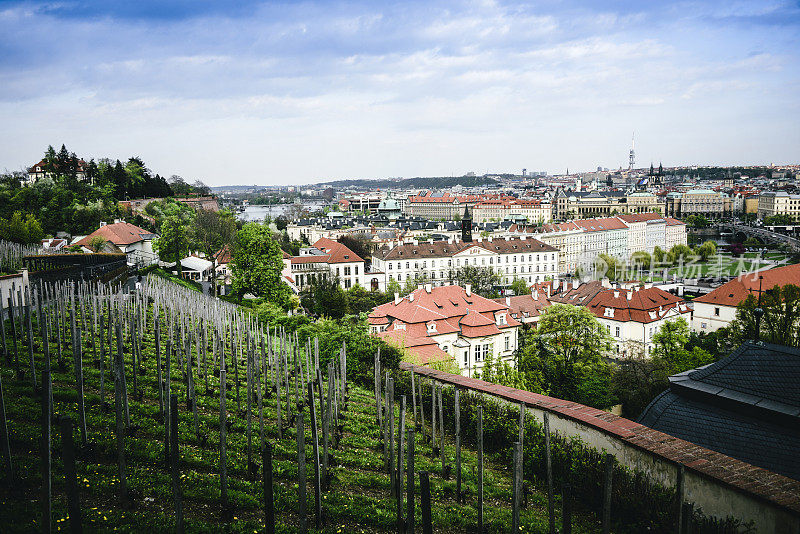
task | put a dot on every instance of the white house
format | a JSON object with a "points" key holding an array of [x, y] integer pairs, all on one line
{"points": [[631, 314], [717, 309]]}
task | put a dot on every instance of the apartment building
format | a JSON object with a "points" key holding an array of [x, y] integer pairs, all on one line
{"points": [[698, 202], [520, 257], [778, 203], [533, 210], [447, 206]]}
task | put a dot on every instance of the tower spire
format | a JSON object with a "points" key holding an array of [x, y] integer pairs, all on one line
{"points": [[632, 157]]}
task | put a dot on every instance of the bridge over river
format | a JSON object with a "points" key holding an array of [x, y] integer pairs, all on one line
{"points": [[742, 231]]}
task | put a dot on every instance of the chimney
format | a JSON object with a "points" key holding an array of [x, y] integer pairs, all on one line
{"points": [[427, 288], [396, 298], [548, 290], [103, 223], [411, 297], [616, 294], [490, 239], [508, 301], [535, 294], [630, 295], [576, 283], [468, 289]]}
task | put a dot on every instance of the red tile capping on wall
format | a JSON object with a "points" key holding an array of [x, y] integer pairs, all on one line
{"points": [[765, 485]]}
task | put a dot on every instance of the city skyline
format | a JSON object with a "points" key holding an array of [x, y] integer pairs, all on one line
{"points": [[295, 94]]}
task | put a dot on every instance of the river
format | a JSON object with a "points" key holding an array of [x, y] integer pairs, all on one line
{"points": [[258, 213]]}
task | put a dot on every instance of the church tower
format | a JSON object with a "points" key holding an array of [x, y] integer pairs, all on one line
{"points": [[466, 226]]}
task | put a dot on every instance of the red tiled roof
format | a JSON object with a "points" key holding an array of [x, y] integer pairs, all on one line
{"points": [[337, 251], [735, 291], [313, 258], [640, 217], [644, 306], [121, 233]]}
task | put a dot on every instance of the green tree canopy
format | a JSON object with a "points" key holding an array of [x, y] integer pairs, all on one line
{"points": [[483, 280], [563, 357], [257, 264]]}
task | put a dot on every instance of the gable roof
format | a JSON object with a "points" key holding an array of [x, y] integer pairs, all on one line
{"points": [[735, 291], [645, 305], [121, 233], [338, 252]]}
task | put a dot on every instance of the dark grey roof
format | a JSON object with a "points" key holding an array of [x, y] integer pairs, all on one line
{"points": [[767, 371], [746, 406], [747, 438]]}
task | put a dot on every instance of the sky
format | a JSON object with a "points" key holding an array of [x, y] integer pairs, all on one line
{"points": [[302, 92]]}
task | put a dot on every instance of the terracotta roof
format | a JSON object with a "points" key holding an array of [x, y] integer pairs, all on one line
{"points": [[600, 224], [525, 306], [121, 233], [735, 291], [644, 306], [640, 217], [337, 251], [313, 258]]}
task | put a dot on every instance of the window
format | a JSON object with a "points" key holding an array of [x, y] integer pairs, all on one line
{"points": [[716, 312], [508, 343], [466, 357], [617, 332]]}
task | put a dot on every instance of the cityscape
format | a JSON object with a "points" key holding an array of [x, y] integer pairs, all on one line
{"points": [[317, 268]]}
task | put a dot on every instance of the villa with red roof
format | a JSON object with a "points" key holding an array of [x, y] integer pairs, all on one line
{"points": [[136, 242], [717, 309], [632, 313], [448, 323]]}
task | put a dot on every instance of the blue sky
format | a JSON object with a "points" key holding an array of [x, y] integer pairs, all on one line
{"points": [[253, 92]]}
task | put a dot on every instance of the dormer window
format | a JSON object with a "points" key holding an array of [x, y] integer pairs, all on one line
{"points": [[431, 328], [608, 312]]}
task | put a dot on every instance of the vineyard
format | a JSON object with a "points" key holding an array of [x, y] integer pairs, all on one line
{"points": [[159, 410]]}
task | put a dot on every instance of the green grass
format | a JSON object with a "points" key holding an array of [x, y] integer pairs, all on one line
{"points": [[358, 499], [189, 284]]}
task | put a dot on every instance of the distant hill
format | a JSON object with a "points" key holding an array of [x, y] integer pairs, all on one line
{"points": [[414, 183]]}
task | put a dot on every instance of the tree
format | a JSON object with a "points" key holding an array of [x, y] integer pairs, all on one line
{"points": [[483, 280], [659, 255], [679, 253], [781, 320], [608, 266], [325, 297], [257, 264], [706, 250], [638, 381], [393, 287], [697, 221], [641, 259], [360, 243], [21, 228], [173, 241], [214, 232], [97, 243], [563, 357], [519, 287]]}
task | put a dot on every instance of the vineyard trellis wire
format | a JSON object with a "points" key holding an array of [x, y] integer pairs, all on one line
{"points": [[166, 359]]}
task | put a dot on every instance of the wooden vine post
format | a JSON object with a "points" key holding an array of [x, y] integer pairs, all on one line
{"points": [[70, 475], [551, 511]]}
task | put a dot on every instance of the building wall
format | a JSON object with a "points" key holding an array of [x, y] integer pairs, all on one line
{"points": [[711, 317]]}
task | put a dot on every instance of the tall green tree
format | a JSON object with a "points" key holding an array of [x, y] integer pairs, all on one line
{"points": [[484, 280], [637, 381], [780, 322], [214, 232], [257, 264], [563, 357]]}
